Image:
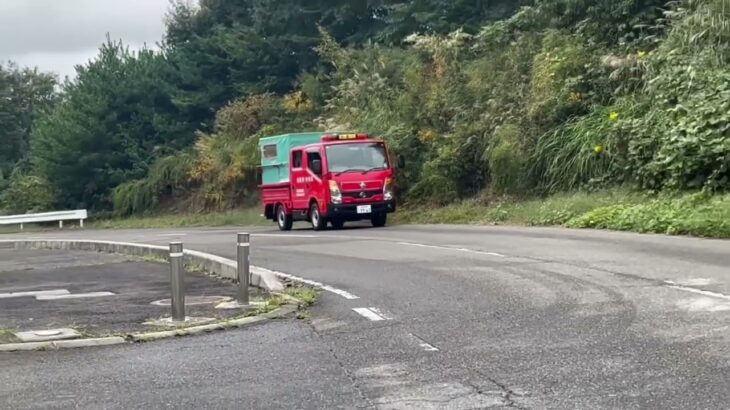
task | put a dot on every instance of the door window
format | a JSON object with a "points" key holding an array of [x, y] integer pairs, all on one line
{"points": [[311, 157], [296, 159]]}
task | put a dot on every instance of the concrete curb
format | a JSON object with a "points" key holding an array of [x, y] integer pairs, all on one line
{"points": [[225, 268], [150, 336], [61, 344]]}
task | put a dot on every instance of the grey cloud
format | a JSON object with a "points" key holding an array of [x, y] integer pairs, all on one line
{"points": [[70, 26]]}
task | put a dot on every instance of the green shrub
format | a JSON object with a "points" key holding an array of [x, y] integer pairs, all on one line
{"points": [[695, 214], [559, 87], [167, 178], [689, 147], [27, 194]]}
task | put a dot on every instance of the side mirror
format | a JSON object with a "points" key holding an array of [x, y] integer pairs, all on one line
{"points": [[316, 166], [401, 161]]}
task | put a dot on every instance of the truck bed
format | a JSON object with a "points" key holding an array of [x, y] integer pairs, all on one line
{"points": [[271, 193]]}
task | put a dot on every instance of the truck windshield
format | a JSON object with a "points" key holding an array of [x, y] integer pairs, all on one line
{"points": [[356, 157]]}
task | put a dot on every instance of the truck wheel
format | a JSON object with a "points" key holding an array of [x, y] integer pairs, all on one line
{"points": [[318, 223], [337, 223], [282, 219], [379, 220]]}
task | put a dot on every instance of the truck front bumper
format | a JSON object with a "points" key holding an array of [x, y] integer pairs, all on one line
{"points": [[349, 211]]}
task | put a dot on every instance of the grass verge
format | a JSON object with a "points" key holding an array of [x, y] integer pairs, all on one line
{"points": [[305, 294], [247, 217], [694, 214]]}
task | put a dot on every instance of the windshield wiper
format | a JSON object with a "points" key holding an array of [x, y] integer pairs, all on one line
{"points": [[348, 170], [372, 169]]}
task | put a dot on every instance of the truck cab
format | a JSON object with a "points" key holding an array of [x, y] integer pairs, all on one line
{"points": [[326, 178]]}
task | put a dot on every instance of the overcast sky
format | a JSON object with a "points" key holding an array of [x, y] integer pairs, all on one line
{"points": [[55, 35]]}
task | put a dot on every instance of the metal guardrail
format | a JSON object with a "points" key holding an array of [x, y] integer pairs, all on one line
{"points": [[60, 216]]}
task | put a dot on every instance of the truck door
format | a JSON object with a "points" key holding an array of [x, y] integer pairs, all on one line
{"points": [[314, 187], [298, 180]]}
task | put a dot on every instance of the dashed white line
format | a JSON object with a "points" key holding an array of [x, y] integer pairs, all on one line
{"points": [[448, 248], [382, 314], [674, 285], [427, 347], [283, 235], [369, 313], [424, 345]]}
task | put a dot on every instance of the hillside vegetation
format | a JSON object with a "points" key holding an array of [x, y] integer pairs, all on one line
{"points": [[499, 99]]}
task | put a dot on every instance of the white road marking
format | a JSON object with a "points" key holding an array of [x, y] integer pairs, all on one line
{"points": [[673, 285], [382, 314], [340, 292], [369, 313], [75, 296], [424, 345], [695, 282], [283, 235], [448, 248], [34, 293]]}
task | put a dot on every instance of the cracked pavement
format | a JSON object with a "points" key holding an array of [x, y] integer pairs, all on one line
{"points": [[459, 318]]}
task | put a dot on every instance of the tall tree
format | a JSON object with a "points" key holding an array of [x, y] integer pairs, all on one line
{"points": [[25, 95], [115, 119], [441, 16], [223, 49]]}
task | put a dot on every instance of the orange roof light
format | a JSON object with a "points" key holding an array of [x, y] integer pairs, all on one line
{"points": [[345, 137]]}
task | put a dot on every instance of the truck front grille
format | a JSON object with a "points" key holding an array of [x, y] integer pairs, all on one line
{"points": [[361, 194]]}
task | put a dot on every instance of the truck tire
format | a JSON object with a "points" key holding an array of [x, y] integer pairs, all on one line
{"points": [[283, 220], [337, 223], [318, 222], [379, 220]]}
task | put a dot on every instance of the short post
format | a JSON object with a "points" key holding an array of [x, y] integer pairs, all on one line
{"points": [[60, 224], [177, 281], [243, 268], [81, 223], [21, 227]]}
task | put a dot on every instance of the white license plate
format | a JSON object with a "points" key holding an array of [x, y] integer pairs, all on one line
{"points": [[364, 209]]}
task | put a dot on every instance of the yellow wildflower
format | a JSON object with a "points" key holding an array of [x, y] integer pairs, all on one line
{"points": [[642, 55], [575, 97], [598, 149], [613, 116]]}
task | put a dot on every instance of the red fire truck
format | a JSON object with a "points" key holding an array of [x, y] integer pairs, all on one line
{"points": [[323, 177]]}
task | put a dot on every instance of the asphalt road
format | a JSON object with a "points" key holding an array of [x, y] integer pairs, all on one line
{"points": [[431, 317]]}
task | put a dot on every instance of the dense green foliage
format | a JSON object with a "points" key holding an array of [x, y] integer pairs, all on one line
{"points": [[482, 97], [25, 96], [115, 119]]}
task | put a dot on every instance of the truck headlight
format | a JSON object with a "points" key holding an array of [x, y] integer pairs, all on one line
{"points": [[335, 193], [388, 189]]}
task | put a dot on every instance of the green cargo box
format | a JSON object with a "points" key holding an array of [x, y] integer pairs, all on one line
{"points": [[275, 154]]}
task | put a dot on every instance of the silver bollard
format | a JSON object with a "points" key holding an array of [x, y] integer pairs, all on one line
{"points": [[177, 281], [243, 267]]}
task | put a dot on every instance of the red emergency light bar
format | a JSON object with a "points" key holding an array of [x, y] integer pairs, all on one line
{"points": [[345, 137]]}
